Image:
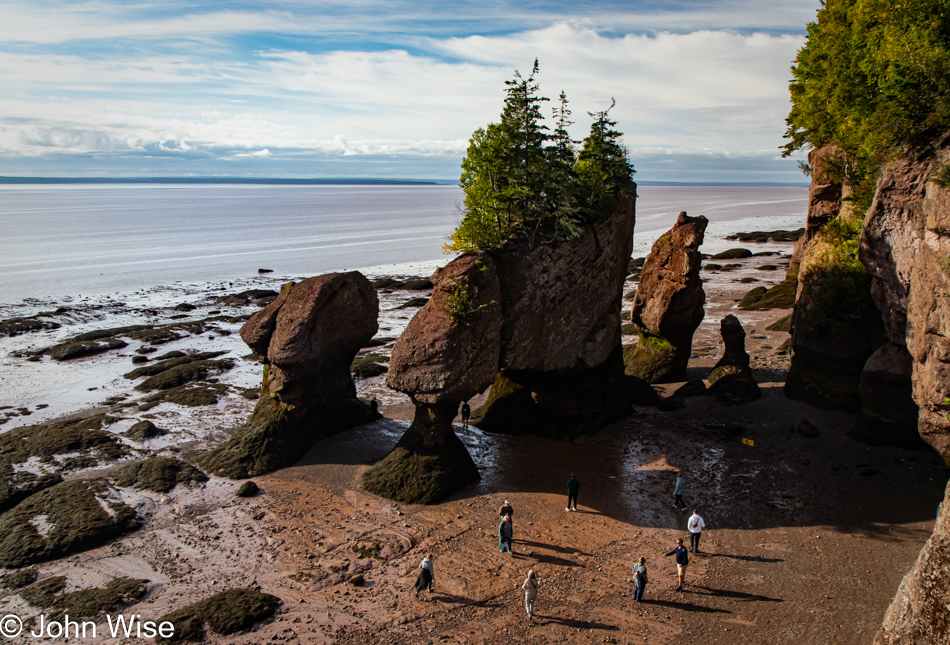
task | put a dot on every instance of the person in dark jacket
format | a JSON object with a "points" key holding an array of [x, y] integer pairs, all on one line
{"points": [[573, 486], [678, 503], [504, 534], [466, 414], [682, 561]]}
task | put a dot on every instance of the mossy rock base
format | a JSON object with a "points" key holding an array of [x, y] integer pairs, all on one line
{"points": [[85, 436], [653, 359], [782, 324], [74, 518], [225, 613], [424, 477], [275, 437]]}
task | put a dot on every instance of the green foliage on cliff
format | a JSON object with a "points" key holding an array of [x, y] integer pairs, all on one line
{"points": [[521, 179], [459, 305], [872, 78]]}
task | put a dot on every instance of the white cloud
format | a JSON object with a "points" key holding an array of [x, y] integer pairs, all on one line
{"points": [[678, 92]]}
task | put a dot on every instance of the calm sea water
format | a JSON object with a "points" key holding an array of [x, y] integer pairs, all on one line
{"points": [[71, 240]]}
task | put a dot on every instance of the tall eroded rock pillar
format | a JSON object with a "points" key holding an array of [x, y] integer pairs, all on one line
{"points": [[669, 304], [448, 354], [307, 339]]}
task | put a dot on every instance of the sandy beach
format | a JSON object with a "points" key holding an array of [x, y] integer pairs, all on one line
{"points": [[807, 541]]}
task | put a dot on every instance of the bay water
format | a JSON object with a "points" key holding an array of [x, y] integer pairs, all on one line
{"points": [[69, 240]]}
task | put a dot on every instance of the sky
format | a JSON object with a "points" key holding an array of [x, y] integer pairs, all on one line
{"points": [[388, 89]]}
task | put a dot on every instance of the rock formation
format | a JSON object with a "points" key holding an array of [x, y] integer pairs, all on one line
{"points": [[540, 323], [669, 304], [918, 614], [448, 354], [906, 245], [307, 338], [824, 197], [835, 325], [731, 380]]}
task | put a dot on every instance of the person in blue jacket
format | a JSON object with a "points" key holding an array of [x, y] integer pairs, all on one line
{"points": [[682, 562]]}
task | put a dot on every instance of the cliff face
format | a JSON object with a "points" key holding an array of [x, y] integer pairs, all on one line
{"points": [[835, 325], [906, 246]]}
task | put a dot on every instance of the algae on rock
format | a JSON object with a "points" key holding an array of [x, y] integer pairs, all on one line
{"points": [[73, 516], [224, 613]]}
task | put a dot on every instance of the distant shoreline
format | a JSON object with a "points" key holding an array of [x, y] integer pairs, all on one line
{"points": [[324, 181]]}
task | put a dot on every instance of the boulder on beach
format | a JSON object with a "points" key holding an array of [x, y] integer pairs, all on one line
{"points": [[307, 338], [71, 516], [224, 613], [670, 299]]}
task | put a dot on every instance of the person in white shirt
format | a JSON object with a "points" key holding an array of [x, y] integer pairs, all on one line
{"points": [[695, 526]]}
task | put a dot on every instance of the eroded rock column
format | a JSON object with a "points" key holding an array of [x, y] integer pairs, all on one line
{"points": [[307, 339]]}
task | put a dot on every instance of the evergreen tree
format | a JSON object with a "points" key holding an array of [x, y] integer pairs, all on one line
{"points": [[602, 166], [561, 190], [522, 182]]}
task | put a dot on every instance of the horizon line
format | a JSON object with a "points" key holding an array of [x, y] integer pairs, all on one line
{"points": [[366, 181]]}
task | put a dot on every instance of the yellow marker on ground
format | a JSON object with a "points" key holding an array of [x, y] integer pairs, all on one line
{"points": [[747, 442]]}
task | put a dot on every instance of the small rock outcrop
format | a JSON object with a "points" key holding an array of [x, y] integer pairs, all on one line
{"points": [[307, 339], [669, 304], [731, 380]]}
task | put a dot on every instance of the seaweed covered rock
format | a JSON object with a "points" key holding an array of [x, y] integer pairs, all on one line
{"points": [[731, 380], [781, 296], [307, 337], [158, 474], [84, 438], [670, 297], [143, 430], [71, 516], [652, 358], [83, 603], [224, 613], [428, 463]]}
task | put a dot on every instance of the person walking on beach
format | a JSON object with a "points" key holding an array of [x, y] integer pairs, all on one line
{"points": [[695, 526], [682, 562], [639, 578], [573, 486], [426, 574], [530, 586], [507, 509], [504, 534], [466, 413], [678, 503]]}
